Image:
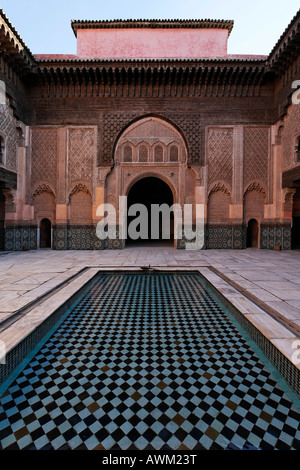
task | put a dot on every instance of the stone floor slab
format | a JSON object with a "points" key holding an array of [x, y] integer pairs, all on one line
{"points": [[271, 277]]}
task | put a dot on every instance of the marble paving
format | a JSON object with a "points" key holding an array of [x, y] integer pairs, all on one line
{"points": [[272, 277], [255, 281]]}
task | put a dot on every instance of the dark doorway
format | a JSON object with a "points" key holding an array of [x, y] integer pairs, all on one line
{"points": [[149, 191], [2, 219], [252, 233], [45, 234], [296, 221]]}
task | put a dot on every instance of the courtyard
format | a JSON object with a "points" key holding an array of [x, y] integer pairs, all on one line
{"points": [[262, 284], [109, 373]]}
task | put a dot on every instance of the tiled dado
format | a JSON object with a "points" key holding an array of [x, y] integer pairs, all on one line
{"points": [[272, 235], [224, 237], [234, 237], [82, 237], [213, 237], [20, 237]]}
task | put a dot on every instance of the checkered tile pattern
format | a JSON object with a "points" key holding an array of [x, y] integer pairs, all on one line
{"points": [[147, 361]]}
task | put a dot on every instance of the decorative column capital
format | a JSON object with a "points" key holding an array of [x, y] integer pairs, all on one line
{"points": [[102, 174], [197, 170]]}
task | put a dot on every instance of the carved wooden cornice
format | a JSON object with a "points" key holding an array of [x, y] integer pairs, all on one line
{"points": [[152, 78]]}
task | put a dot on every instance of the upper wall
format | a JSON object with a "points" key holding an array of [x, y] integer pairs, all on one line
{"points": [[141, 43]]}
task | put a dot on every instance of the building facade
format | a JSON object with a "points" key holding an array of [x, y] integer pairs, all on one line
{"points": [[156, 111]]}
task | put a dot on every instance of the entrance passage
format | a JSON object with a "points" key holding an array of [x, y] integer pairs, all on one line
{"points": [[296, 221], [252, 234], [45, 234], [148, 225]]}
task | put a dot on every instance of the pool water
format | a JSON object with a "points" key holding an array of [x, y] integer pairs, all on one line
{"points": [[148, 361]]}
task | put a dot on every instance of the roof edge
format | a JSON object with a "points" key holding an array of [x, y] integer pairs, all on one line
{"points": [[292, 25], [152, 23], [14, 32], [57, 59]]}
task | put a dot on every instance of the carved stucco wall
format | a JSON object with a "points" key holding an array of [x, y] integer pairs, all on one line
{"points": [[218, 204], [44, 205], [77, 157], [9, 133], [81, 157], [289, 135], [150, 134], [153, 134], [220, 156], [43, 158], [254, 200], [256, 162], [113, 124], [81, 206]]}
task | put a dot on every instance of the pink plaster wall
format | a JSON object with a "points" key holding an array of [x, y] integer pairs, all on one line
{"points": [[142, 43]]}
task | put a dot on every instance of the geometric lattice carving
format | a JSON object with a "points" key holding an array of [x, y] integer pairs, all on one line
{"points": [[81, 155], [158, 153], [9, 132], [43, 156], [143, 154], [173, 154], [190, 126], [127, 154], [256, 155], [220, 155], [151, 130], [113, 123]]}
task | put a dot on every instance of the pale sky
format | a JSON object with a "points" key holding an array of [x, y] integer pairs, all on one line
{"points": [[45, 26]]}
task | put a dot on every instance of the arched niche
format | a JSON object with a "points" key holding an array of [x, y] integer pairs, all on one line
{"points": [[160, 140]]}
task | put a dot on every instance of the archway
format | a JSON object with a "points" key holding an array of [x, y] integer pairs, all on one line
{"points": [[252, 234], [158, 228], [296, 221], [45, 233]]}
